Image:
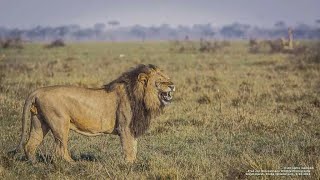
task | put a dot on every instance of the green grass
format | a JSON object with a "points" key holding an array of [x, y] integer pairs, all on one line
{"points": [[233, 111]]}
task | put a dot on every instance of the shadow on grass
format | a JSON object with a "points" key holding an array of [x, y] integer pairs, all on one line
{"points": [[49, 158], [87, 157]]}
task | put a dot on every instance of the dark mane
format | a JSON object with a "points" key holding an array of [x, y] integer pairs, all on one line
{"points": [[141, 114]]}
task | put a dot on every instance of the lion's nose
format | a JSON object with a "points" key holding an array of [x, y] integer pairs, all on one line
{"points": [[172, 87]]}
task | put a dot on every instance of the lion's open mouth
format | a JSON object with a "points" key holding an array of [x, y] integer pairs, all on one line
{"points": [[166, 97]]}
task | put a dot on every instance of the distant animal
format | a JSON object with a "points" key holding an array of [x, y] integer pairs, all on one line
{"points": [[124, 107]]}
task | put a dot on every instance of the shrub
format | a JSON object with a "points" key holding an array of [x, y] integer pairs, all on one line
{"points": [[275, 46], [15, 43], [56, 43], [202, 46], [256, 46], [182, 46]]}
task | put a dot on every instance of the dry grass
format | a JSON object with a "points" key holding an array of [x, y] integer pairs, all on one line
{"points": [[233, 112]]}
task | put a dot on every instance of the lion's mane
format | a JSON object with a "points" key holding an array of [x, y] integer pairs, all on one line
{"points": [[144, 102]]}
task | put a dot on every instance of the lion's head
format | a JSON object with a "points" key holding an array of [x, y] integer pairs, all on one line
{"points": [[149, 91], [157, 87]]}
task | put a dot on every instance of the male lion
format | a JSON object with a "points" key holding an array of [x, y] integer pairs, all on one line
{"points": [[123, 107]]}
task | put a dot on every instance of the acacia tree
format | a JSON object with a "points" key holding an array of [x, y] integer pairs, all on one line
{"points": [[99, 29], [114, 23], [139, 32]]}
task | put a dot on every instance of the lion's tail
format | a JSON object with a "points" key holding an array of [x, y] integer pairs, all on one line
{"points": [[26, 108]]}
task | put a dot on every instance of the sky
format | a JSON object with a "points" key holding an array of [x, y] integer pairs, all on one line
{"points": [[30, 13]]}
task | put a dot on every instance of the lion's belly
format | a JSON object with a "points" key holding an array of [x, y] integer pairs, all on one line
{"points": [[95, 124], [92, 127], [91, 130]]}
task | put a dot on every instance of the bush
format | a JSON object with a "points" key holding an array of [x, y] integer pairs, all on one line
{"points": [[56, 43], [182, 46], [275, 46], [15, 43], [202, 46], [256, 46], [212, 46]]}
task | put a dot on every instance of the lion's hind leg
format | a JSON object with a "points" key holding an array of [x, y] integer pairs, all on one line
{"points": [[61, 132], [62, 149], [38, 131]]}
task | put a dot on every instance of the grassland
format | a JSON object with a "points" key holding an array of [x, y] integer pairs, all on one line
{"points": [[233, 111]]}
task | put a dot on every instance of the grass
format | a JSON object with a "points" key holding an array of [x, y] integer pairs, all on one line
{"points": [[233, 111]]}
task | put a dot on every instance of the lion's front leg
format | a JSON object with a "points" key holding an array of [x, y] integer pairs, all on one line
{"points": [[129, 145]]}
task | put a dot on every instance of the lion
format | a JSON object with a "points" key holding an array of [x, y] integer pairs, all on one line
{"points": [[124, 107]]}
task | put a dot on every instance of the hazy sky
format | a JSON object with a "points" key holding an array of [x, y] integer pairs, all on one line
{"points": [[29, 13]]}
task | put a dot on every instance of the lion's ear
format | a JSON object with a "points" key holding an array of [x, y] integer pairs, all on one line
{"points": [[143, 78]]}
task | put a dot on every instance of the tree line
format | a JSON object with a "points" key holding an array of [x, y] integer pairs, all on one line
{"points": [[112, 31]]}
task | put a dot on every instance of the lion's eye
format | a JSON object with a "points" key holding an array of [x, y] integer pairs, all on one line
{"points": [[159, 84]]}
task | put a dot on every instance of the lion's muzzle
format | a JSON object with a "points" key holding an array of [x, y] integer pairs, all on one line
{"points": [[166, 97], [172, 87]]}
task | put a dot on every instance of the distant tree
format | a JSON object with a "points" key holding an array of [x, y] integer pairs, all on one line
{"points": [[34, 33], [99, 27], [280, 30], [318, 25], [205, 30], [167, 32], [235, 30], [62, 31], [138, 31], [182, 28], [173, 34], [14, 33], [184, 31], [303, 31], [280, 24], [74, 27], [85, 34], [165, 26], [114, 23], [154, 30]]}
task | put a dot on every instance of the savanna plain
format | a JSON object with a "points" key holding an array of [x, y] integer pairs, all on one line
{"points": [[233, 111]]}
